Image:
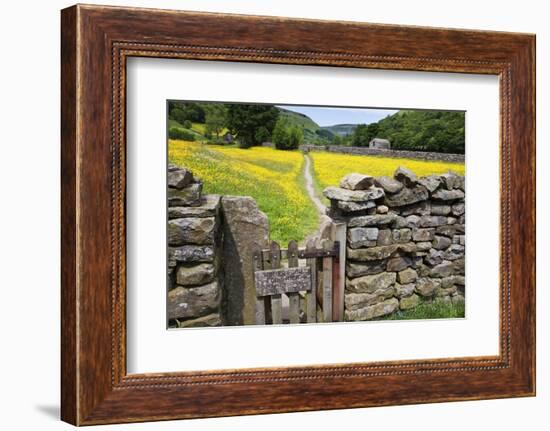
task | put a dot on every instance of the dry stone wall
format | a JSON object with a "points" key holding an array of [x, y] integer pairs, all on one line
{"points": [[195, 277], [365, 151], [405, 241]]}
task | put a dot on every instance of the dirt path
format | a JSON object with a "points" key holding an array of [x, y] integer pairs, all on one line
{"points": [[311, 188]]}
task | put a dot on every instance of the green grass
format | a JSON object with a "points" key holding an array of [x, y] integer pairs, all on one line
{"points": [[199, 128], [174, 123], [436, 310]]}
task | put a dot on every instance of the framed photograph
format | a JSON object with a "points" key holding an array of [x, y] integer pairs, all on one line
{"points": [[266, 215]]}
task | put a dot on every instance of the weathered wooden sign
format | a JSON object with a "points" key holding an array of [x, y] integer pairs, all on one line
{"points": [[283, 280]]}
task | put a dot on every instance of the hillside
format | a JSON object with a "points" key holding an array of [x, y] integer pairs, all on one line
{"points": [[308, 126], [341, 129]]}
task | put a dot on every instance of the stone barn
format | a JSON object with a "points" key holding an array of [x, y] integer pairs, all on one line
{"points": [[379, 143], [228, 138]]}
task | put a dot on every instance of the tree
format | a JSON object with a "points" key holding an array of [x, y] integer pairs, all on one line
{"points": [[295, 137], [285, 137], [181, 111], [244, 122], [338, 140], [280, 135], [215, 118], [262, 135], [360, 136], [363, 134], [178, 115]]}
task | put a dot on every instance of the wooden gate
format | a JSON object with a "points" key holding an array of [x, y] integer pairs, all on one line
{"points": [[312, 278]]}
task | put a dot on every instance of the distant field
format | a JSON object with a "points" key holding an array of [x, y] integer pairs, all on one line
{"points": [[274, 178], [331, 167]]}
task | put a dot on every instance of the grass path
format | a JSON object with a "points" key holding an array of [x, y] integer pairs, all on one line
{"points": [[310, 187]]}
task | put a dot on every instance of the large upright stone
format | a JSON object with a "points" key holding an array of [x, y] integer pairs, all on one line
{"points": [[246, 229], [356, 181]]}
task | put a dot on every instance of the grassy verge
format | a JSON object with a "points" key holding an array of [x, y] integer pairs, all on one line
{"points": [[428, 311]]}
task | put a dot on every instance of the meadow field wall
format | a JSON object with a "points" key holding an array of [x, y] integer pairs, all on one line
{"points": [[405, 246], [365, 151], [405, 241]]}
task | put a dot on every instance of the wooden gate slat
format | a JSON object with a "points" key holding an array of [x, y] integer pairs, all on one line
{"points": [[327, 282], [293, 297], [311, 296], [276, 300], [339, 276], [260, 300]]}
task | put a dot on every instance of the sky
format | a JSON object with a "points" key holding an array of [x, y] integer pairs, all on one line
{"points": [[328, 116]]}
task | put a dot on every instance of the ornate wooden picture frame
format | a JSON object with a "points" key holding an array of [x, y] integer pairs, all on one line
{"points": [[96, 41]]}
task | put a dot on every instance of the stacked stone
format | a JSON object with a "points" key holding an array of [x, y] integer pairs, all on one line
{"points": [[405, 241], [194, 241]]}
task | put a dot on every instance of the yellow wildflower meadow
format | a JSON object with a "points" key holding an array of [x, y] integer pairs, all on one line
{"points": [[273, 178], [329, 168]]}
